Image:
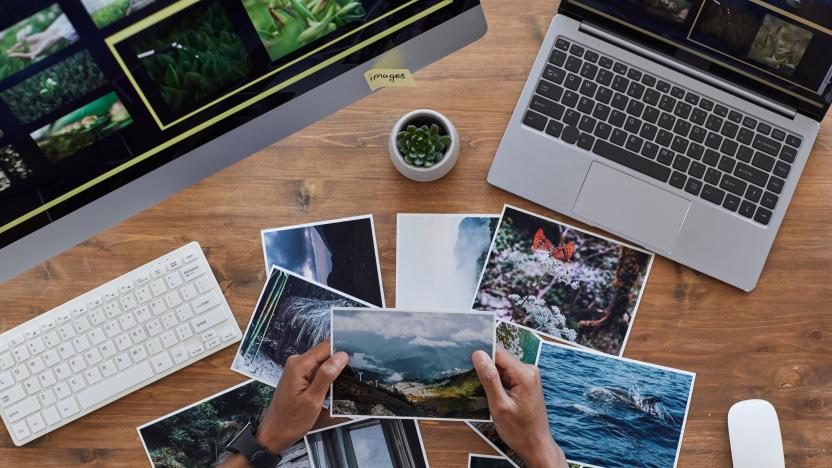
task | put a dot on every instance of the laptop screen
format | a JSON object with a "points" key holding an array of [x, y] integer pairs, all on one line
{"points": [[781, 44]]}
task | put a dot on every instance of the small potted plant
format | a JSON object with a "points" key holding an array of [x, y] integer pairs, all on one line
{"points": [[424, 145]]}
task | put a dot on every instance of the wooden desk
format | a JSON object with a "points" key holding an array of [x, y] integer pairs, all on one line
{"points": [[775, 343]]}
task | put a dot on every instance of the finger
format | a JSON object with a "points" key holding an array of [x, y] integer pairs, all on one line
{"points": [[327, 373], [319, 353], [490, 378], [511, 368]]}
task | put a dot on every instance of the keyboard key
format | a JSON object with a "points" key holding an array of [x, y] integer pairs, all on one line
{"points": [[179, 354], [605, 62], [776, 184], [554, 129], [778, 134], [102, 392], [754, 193], [184, 332], [573, 64], [731, 203], [735, 116], [697, 169], [681, 163], [128, 302], [562, 44], [677, 92], [763, 216], [769, 200], [788, 154], [138, 353], [713, 123], [92, 375], [733, 185], [782, 169], [666, 157], [210, 319], [763, 162], [712, 176], [706, 104], [745, 154], [572, 82], [535, 120], [557, 58], [123, 361], [21, 410], [726, 164], [693, 186], [745, 136], [585, 141], [712, 194], [721, 110], [651, 114], [51, 416], [555, 75], [68, 407], [766, 145], [751, 174], [161, 362], [12, 395], [792, 140], [570, 135], [544, 88], [620, 156], [713, 141], [168, 339], [576, 50], [591, 56]]}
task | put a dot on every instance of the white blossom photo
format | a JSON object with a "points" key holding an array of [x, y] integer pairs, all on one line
{"points": [[563, 282]]}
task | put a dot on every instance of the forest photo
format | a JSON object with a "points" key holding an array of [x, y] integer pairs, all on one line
{"points": [[196, 436], [563, 282], [291, 317], [410, 363]]}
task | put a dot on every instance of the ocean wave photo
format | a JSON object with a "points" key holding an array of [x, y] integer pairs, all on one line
{"points": [[613, 412]]}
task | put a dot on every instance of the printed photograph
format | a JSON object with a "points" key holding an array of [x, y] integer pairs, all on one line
{"points": [[82, 127], [376, 443], [34, 38], [673, 10], [291, 317], [611, 411], [488, 461], [519, 341], [780, 45], [58, 85], [488, 432], [107, 12], [5, 182], [410, 364], [285, 26], [562, 281], [193, 56], [196, 436], [439, 259], [12, 164], [341, 254]]}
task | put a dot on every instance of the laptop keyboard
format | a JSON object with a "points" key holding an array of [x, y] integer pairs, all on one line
{"points": [[661, 130]]}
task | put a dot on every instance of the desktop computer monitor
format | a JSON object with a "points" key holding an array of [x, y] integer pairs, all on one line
{"points": [[110, 106]]}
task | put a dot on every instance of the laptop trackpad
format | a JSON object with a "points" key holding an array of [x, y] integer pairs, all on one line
{"points": [[635, 209]]}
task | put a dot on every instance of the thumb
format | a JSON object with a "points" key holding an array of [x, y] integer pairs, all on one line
{"points": [[490, 379], [327, 373]]}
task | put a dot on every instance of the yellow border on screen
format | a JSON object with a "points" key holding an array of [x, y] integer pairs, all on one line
{"points": [[254, 99]]}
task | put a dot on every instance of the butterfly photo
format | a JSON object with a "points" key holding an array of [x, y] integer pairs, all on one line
{"points": [[562, 281]]}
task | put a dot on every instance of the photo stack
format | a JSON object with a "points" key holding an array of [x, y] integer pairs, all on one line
{"points": [[549, 294]]}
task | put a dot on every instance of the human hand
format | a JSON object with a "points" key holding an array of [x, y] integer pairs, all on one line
{"points": [[515, 399], [299, 396]]}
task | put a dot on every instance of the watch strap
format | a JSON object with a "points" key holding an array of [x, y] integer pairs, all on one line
{"points": [[246, 445]]}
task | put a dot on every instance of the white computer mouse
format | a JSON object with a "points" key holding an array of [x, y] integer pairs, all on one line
{"points": [[755, 435]]}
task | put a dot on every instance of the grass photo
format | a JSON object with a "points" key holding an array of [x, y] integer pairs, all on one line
{"points": [[107, 12], [291, 317], [196, 436], [439, 259], [82, 127], [410, 364], [285, 26], [780, 45], [341, 254], [48, 90], [488, 461], [519, 341], [563, 282], [371, 443], [34, 38], [611, 411], [193, 56]]}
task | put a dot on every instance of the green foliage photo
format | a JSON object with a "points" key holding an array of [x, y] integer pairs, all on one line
{"points": [[107, 12], [198, 435], [193, 57], [284, 26], [30, 40], [59, 84], [82, 127]]}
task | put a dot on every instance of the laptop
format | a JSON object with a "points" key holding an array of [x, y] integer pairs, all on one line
{"points": [[679, 125]]}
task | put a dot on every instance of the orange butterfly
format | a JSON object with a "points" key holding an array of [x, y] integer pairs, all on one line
{"points": [[562, 253]]}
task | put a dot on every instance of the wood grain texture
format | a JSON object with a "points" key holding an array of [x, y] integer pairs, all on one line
{"points": [[774, 343]]}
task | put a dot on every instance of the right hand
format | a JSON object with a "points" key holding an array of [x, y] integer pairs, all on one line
{"points": [[515, 399]]}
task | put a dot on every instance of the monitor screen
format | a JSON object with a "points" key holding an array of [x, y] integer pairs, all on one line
{"points": [[782, 45], [96, 93]]}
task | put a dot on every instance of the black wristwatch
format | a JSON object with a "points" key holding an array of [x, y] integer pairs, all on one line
{"points": [[246, 445]]}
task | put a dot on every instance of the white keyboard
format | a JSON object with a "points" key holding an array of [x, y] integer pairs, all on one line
{"points": [[110, 342]]}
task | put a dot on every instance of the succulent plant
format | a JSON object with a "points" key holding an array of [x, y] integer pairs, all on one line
{"points": [[422, 146]]}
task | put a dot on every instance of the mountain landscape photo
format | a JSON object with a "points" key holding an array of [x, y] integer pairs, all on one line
{"points": [[410, 364]]}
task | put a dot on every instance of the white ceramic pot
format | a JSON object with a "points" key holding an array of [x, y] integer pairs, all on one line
{"points": [[425, 174]]}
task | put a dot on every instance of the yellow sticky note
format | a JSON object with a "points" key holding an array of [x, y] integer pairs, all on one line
{"points": [[389, 78]]}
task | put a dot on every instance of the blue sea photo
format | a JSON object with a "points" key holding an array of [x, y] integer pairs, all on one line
{"points": [[609, 411]]}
